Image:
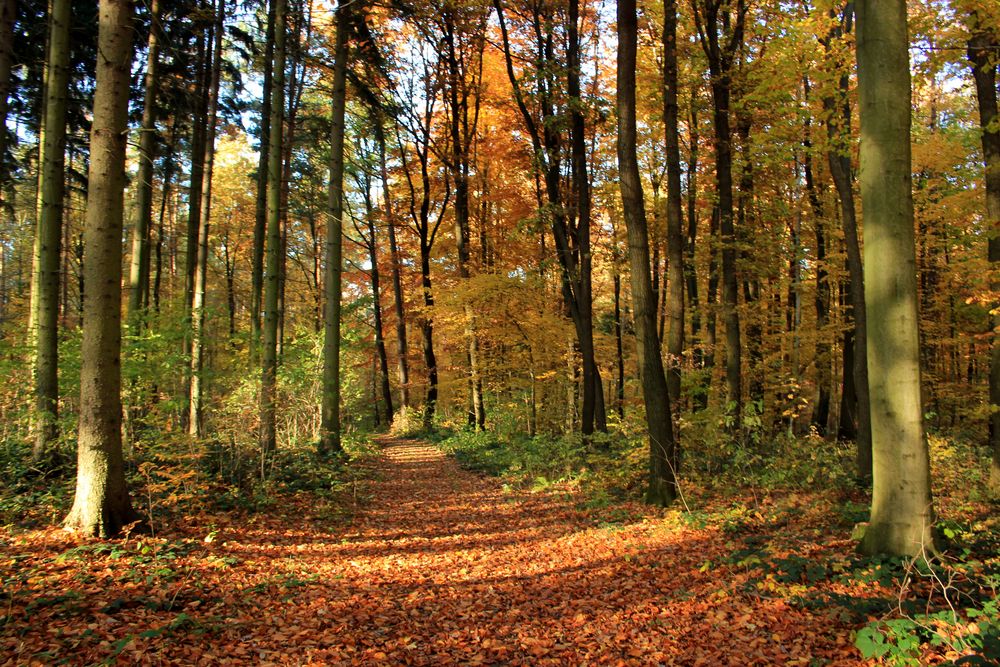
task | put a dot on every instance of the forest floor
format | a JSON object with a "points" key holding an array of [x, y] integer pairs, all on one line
{"points": [[442, 566]]}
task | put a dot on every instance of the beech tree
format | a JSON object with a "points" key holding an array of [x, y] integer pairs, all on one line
{"points": [[902, 510], [101, 505]]}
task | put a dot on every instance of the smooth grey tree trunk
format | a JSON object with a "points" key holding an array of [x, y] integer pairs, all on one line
{"points": [[902, 510], [101, 505]]}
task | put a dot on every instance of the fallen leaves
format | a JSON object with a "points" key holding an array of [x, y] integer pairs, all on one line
{"points": [[443, 568]]}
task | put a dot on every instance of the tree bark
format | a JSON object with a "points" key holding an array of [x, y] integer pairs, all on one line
{"points": [[260, 216], [195, 426], [101, 505], [139, 270], [383, 359], [662, 449], [983, 52], [403, 368], [269, 353], [48, 237], [675, 235], [855, 407], [709, 16], [902, 509], [330, 436], [8, 11]]}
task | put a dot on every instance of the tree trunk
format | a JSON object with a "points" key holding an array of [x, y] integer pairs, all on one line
{"points": [[260, 216], [269, 353], [720, 61], [983, 47], [838, 112], [619, 352], [330, 436], [403, 369], [662, 452], [902, 509], [690, 269], [8, 11], [139, 270], [195, 426], [383, 359], [168, 175], [48, 238], [101, 505], [824, 379], [675, 235]]}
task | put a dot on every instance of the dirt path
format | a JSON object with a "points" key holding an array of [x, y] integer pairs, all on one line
{"points": [[441, 567]]}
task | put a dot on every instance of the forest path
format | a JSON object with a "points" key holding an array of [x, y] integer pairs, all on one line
{"points": [[438, 566], [445, 567]]}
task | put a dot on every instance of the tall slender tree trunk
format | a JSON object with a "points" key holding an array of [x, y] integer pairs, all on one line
{"points": [[260, 217], [675, 235], [101, 505], [168, 176], [902, 509], [330, 436], [139, 270], [838, 111], [662, 450], [619, 352], [195, 426], [593, 391], [403, 369], [195, 185], [983, 52], [824, 377], [383, 358], [720, 47], [48, 236], [8, 10], [690, 269], [269, 353]]}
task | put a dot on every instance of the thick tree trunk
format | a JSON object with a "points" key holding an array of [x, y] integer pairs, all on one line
{"points": [[260, 216], [983, 47], [195, 426], [139, 270], [269, 352], [662, 488], [675, 235], [102, 506], [48, 237], [902, 510], [330, 436]]}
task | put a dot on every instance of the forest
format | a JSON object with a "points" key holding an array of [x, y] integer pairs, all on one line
{"points": [[500, 332]]}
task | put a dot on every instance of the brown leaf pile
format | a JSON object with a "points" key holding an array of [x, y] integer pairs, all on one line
{"points": [[443, 568]]}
